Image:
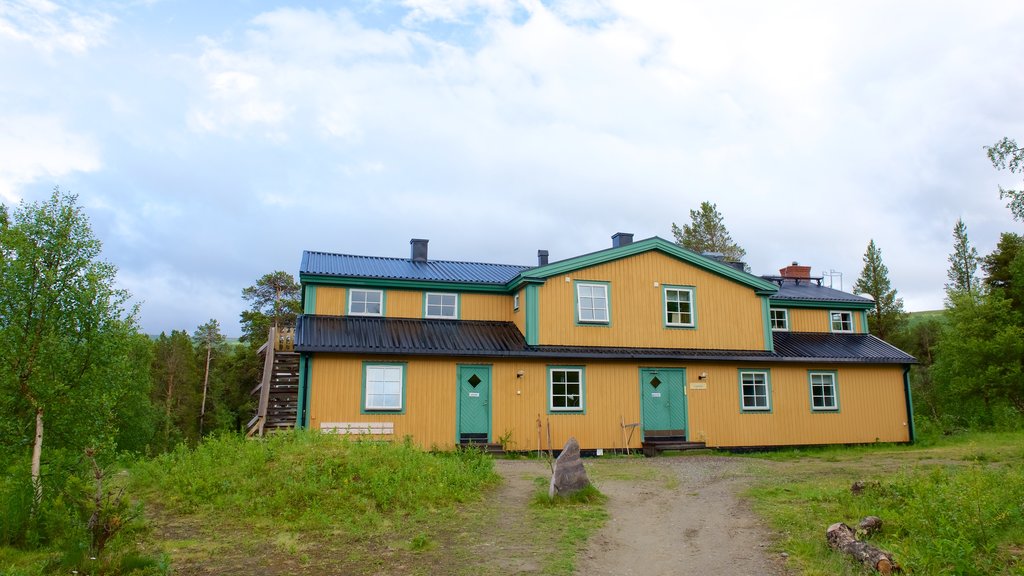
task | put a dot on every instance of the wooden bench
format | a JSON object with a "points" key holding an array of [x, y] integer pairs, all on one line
{"points": [[364, 428]]}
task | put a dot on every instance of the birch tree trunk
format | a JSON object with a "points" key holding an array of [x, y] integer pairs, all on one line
{"points": [[37, 453], [206, 381]]}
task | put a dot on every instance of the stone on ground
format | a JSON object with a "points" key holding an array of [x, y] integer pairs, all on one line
{"points": [[569, 475]]}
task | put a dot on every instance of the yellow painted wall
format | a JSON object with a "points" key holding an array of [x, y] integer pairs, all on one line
{"points": [[871, 404], [486, 307], [817, 320], [519, 316], [330, 300], [729, 315]]}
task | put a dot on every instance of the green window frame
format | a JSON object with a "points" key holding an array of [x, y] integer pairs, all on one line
{"points": [[679, 306], [383, 390], [593, 303], [779, 318], [566, 389], [824, 390], [755, 388], [441, 305], [840, 321], [365, 302]]}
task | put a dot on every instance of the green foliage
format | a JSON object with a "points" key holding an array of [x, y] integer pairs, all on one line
{"points": [[1006, 155], [66, 337], [176, 389], [1004, 269], [312, 480], [887, 318], [569, 521], [274, 300], [979, 358], [706, 232], [963, 262]]}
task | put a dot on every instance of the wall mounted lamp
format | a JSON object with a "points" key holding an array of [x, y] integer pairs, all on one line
{"points": [[703, 376], [520, 374]]}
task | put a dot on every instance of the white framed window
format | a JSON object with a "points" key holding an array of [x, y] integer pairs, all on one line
{"points": [[441, 305], [515, 302], [841, 321], [365, 302], [755, 391], [383, 387], [824, 393], [679, 307], [565, 389], [779, 319], [592, 303]]}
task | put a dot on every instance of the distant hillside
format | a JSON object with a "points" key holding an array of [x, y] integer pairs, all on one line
{"points": [[924, 315]]}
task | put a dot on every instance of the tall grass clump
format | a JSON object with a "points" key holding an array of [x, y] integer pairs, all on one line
{"points": [[312, 480]]}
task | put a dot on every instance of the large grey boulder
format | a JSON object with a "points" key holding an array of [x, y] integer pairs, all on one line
{"points": [[569, 475]]}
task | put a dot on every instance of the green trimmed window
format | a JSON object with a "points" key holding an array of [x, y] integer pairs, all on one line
{"points": [[679, 307], [592, 303], [779, 319], [755, 393], [363, 302], [383, 386], [841, 321], [441, 305], [566, 389], [824, 393]]}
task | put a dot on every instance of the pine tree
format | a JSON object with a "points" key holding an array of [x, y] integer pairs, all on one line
{"points": [[707, 233], [209, 341], [963, 262], [888, 317], [1006, 155], [274, 301]]}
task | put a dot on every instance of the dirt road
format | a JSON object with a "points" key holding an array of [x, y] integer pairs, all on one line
{"points": [[687, 519]]}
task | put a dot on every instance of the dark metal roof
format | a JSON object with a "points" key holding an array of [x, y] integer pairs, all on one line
{"points": [[810, 290], [347, 265], [401, 336], [839, 348]]}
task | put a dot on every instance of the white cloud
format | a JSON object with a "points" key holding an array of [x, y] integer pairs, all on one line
{"points": [[49, 27], [40, 147]]}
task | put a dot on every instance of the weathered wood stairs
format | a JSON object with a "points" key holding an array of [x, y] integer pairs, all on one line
{"points": [[278, 389]]}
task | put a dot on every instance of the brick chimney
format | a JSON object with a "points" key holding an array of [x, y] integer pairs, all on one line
{"points": [[796, 271]]}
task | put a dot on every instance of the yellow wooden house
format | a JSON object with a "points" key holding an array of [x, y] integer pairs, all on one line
{"points": [[642, 342]]}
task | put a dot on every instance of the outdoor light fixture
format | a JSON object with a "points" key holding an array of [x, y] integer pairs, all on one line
{"points": [[703, 376], [520, 374]]}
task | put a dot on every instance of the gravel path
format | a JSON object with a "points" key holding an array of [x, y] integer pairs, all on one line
{"points": [[686, 519]]}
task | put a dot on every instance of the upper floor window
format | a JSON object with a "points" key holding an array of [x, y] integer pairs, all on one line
{"points": [[440, 305], [592, 303], [779, 319], [755, 391], [841, 321], [365, 302], [679, 307], [515, 302], [824, 395]]}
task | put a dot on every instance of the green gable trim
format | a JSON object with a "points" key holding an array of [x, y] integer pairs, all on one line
{"points": [[864, 321], [910, 401], [661, 245], [532, 314], [302, 416], [403, 284], [830, 304], [576, 303], [766, 323], [309, 299]]}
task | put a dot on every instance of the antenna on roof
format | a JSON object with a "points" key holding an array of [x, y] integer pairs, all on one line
{"points": [[832, 274]]}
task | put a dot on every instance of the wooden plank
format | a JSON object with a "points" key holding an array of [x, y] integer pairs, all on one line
{"points": [[358, 427]]}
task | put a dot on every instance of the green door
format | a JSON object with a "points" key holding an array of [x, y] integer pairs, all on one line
{"points": [[663, 398], [474, 404]]}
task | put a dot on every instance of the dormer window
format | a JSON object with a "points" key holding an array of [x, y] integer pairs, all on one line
{"points": [[841, 321], [779, 319], [439, 305], [365, 302]]}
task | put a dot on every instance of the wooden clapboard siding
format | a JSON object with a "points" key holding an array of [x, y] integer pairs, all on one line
{"points": [[808, 320], [330, 300], [485, 307], [519, 316], [403, 303], [729, 315], [872, 408]]}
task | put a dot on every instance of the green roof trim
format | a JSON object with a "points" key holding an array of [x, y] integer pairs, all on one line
{"points": [[830, 304], [761, 286]]}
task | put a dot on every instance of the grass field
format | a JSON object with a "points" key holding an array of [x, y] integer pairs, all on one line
{"points": [[954, 507]]}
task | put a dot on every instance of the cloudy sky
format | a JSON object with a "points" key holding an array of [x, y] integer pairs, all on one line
{"points": [[211, 142]]}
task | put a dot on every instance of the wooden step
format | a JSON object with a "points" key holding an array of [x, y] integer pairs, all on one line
{"points": [[652, 448]]}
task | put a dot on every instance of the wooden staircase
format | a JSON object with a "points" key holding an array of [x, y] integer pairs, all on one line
{"points": [[278, 389], [656, 441]]}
